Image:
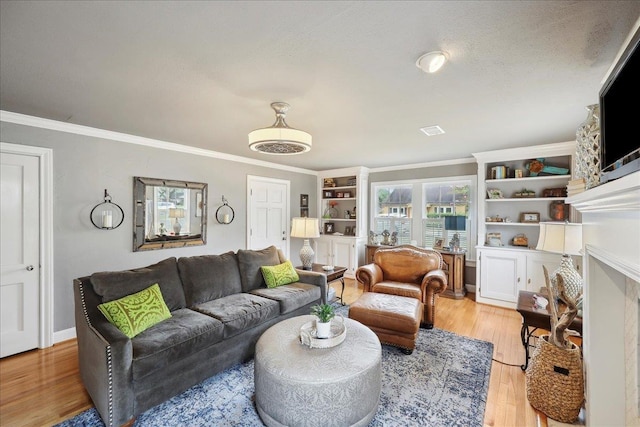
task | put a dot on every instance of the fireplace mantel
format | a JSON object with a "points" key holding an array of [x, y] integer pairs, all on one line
{"points": [[611, 268]]}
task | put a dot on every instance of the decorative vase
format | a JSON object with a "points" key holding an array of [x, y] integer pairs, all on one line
{"points": [[323, 329], [588, 148], [554, 380]]}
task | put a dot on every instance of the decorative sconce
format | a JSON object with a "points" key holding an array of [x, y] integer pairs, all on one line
{"points": [[225, 213], [105, 215]]}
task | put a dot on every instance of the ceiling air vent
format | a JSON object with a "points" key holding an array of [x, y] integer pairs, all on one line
{"points": [[432, 130]]}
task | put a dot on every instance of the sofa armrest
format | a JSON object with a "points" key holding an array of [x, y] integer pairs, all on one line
{"points": [[369, 275], [105, 356], [317, 279]]}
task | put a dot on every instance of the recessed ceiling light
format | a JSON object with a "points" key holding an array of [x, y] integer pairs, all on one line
{"points": [[432, 130], [432, 61]]}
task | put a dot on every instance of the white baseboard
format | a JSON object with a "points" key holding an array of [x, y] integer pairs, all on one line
{"points": [[64, 335]]}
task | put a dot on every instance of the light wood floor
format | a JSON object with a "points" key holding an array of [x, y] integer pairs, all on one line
{"points": [[43, 387]]}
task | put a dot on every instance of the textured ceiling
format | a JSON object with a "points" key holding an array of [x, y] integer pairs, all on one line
{"points": [[204, 73]]}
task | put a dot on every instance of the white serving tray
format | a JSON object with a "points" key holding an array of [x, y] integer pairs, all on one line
{"points": [[336, 336]]}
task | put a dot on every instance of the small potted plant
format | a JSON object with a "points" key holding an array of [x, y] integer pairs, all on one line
{"points": [[324, 313]]}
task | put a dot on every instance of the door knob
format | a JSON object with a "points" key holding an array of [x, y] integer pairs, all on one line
{"points": [[29, 267]]}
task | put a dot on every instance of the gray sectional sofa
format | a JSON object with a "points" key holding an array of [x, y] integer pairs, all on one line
{"points": [[220, 305]]}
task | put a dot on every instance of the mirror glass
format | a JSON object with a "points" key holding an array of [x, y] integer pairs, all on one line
{"points": [[168, 213]]}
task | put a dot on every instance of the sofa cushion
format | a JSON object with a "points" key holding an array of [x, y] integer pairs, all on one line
{"points": [[249, 263], [209, 277], [185, 333], [278, 275], [136, 312], [291, 297], [111, 285], [240, 312]]}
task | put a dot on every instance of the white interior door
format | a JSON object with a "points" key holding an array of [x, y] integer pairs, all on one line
{"points": [[19, 256], [268, 213]]}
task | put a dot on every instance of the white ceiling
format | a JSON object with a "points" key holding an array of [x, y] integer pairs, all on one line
{"points": [[204, 73]]}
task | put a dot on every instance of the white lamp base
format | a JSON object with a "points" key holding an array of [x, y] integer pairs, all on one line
{"points": [[176, 227], [306, 255]]}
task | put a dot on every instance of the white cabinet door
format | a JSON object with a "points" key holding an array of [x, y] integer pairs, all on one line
{"points": [[344, 251], [502, 275], [535, 273], [323, 250]]}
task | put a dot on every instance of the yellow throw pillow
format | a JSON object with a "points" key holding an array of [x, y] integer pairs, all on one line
{"points": [[278, 275], [136, 312]]}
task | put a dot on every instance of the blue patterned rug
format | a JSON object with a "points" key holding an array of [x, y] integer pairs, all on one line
{"points": [[443, 383]]}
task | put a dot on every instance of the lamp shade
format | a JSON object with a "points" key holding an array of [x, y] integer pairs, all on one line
{"points": [[560, 237], [305, 228], [176, 213], [455, 222]]}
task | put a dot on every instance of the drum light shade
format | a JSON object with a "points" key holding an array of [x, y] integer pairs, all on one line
{"points": [[280, 139]]}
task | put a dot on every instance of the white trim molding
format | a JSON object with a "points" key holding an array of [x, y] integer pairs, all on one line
{"points": [[38, 122]]}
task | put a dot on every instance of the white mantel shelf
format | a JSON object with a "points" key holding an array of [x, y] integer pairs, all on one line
{"points": [[622, 194]]}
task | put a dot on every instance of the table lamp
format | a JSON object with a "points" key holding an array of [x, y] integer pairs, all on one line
{"points": [[305, 228], [455, 223], [176, 213], [563, 238]]}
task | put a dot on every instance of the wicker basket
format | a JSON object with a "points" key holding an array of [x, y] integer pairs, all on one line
{"points": [[555, 382]]}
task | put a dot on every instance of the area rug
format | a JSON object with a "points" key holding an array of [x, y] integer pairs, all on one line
{"points": [[443, 383]]}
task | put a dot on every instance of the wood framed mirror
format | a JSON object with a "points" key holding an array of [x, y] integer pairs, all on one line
{"points": [[168, 213]]}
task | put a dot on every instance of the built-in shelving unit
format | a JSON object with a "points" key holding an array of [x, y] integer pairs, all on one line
{"points": [[342, 202], [512, 205]]}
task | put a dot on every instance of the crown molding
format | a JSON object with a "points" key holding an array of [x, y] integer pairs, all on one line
{"points": [[38, 122], [424, 165]]}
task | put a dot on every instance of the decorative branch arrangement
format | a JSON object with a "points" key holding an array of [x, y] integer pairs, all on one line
{"points": [[559, 324]]}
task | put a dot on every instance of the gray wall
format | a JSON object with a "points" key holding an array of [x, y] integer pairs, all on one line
{"points": [[425, 173], [84, 166]]}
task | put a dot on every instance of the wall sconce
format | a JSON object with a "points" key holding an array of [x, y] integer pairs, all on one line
{"points": [[225, 213], [107, 215]]}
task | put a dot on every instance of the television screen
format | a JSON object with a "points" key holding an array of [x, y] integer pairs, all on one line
{"points": [[619, 111]]}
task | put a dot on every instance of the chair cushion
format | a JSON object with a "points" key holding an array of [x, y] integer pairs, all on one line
{"points": [[240, 312], [249, 263], [209, 277], [136, 312], [111, 285], [398, 288]]}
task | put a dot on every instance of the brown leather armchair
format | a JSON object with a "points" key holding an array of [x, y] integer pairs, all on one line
{"points": [[407, 271]]}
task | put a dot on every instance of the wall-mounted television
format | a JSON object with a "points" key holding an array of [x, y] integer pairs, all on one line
{"points": [[620, 115]]}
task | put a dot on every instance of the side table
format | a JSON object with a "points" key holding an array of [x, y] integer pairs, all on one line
{"points": [[455, 273], [336, 274], [534, 318]]}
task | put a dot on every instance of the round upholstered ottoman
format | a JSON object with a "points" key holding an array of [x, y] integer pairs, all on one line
{"points": [[301, 386]]}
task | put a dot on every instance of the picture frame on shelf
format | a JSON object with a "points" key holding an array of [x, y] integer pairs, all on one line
{"points": [[339, 194], [304, 200], [439, 244], [329, 227], [347, 231], [530, 217], [329, 194], [346, 194]]}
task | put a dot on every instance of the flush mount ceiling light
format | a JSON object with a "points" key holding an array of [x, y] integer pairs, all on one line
{"points": [[280, 138], [432, 61]]}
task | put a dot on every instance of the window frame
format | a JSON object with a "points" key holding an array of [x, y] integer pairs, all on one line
{"points": [[418, 200]]}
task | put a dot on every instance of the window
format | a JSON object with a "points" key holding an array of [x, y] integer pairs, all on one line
{"points": [[438, 199], [392, 211]]}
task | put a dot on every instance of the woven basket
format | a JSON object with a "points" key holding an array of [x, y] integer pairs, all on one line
{"points": [[555, 382]]}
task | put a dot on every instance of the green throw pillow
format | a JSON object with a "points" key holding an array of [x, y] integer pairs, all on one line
{"points": [[281, 274], [136, 312]]}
